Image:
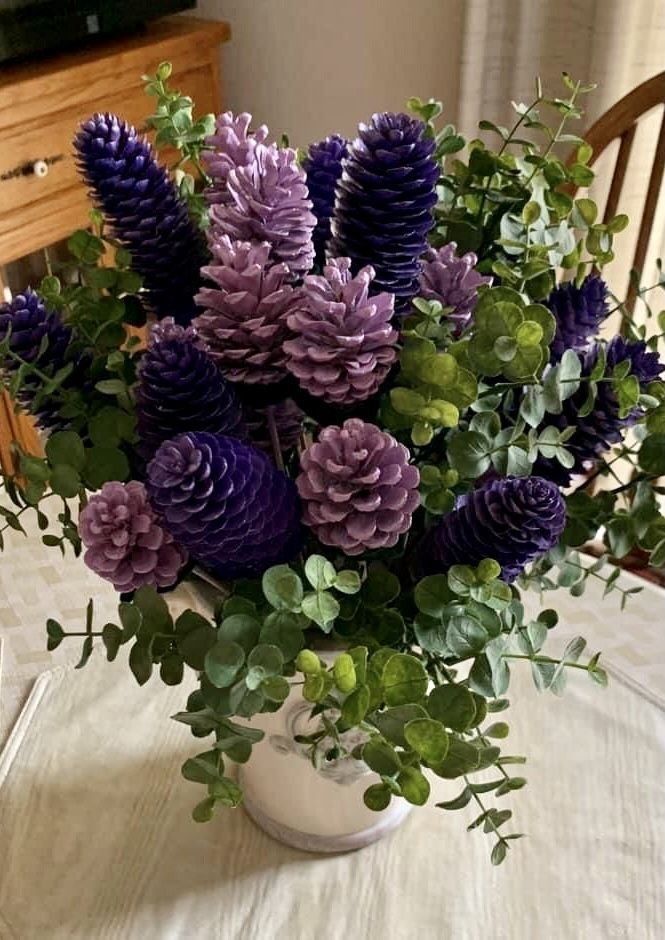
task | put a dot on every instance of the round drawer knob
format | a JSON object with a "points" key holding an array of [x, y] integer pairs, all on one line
{"points": [[40, 168]]}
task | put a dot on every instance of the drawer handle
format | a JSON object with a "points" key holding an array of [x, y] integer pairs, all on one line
{"points": [[38, 168]]}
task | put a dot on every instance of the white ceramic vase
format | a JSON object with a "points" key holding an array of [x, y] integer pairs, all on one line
{"points": [[314, 810]]}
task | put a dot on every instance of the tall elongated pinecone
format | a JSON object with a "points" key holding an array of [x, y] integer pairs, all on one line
{"points": [[146, 214], [226, 503], [181, 389], [323, 166], [266, 200], [513, 520], [383, 210], [244, 320], [344, 344], [579, 312], [453, 281], [598, 431], [232, 145]]}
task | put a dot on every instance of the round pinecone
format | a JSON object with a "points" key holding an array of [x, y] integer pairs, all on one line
{"points": [[266, 200], [231, 145], [453, 281], [323, 166], [513, 520], [181, 389], [344, 345], [125, 544], [579, 311], [244, 323], [598, 431], [226, 503], [358, 488], [385, 198], [145, 211]]}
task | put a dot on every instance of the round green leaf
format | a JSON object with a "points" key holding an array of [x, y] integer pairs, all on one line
{"points": [[453, 706], [308, 662], [268, 657], [241, 629], [321, 607], [320, 572], [651, 457], [104, 464], [404, 680], [65, 447], [356, 706], [347, 582], [381, 757], [276, 688], [65, 481], [488, 570], [344, 673], [432, 594], [282, 588], [377, 797], [529, 333], [406, 402], [414, 786], [223, 662], [204, 811], [504, 348], [428, 738]]}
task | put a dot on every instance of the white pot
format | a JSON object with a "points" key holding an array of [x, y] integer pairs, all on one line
{"points": [[314, 810]]}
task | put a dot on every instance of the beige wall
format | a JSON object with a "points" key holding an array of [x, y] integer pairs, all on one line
{"points": [[314, 67]]}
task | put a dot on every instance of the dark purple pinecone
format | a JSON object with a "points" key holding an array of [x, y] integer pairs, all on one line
{"points": [[31, 323], [226, 503], [181, 389], [323, 166], [513, 520], [579, 311], [145, 211], [383, 210], [603, 427]]}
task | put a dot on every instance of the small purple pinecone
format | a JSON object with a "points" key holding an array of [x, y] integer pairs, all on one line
{"points": [[266, 200], [226, 503], [145, 211], [602, 428], [579, 312], [181, 389], [244, 323], [124, 541], [232, 145], [385, 198], [344, 343], [323, 166], [513, 520], [358, 488], [453, 281], [30, 323], [289, 420]]}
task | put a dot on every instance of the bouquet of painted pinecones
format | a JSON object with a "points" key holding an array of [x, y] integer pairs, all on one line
{"points": [[368, 404]]}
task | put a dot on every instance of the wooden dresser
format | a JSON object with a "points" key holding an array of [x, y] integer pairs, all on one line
{"points": [[42, 199]]}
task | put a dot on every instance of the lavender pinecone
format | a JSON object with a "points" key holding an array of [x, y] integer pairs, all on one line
{"points": [[323, 166], [244, 323], [383, 210], [266, 200], [232, 145], [453, 281], [125, 543], [344, 343], [579, 312], [226, 503], [358, 488], [181, 389], [513, 520], [603, 427], [145, 212]]}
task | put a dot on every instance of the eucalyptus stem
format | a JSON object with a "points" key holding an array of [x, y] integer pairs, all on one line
{"points": [[274, 437], [487, 816], [547, 660]]}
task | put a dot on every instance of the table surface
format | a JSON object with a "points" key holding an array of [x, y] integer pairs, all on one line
{"points": [[94, 817]]}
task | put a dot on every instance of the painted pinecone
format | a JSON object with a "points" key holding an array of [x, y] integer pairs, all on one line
{"points": [[599, 430], [267, 201], [513, 520], [344, 344], [145, 211], [30, 323], [181, 389], [226, 503], [232, 145], [358, 488], [323, 166], [125, 543], [289, 420], [383, 210], [453, 281], [244, 323], [579, 312]]}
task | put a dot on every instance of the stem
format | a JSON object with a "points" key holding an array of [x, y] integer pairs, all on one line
{"points": [[483, 810], [546, 659], [274, 437], [555, 137]]}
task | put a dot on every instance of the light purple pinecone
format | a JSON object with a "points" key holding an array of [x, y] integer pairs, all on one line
{"points": [[266, 200], [453, 281], [244, 323], [232, 145], [357, 487], [344, 342], [124, 542]]}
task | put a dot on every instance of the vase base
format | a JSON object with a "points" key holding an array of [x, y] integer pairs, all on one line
{"points": [[327, 844]]}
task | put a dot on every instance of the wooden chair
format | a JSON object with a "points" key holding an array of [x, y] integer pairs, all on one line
{"points": [[621, 122]]}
